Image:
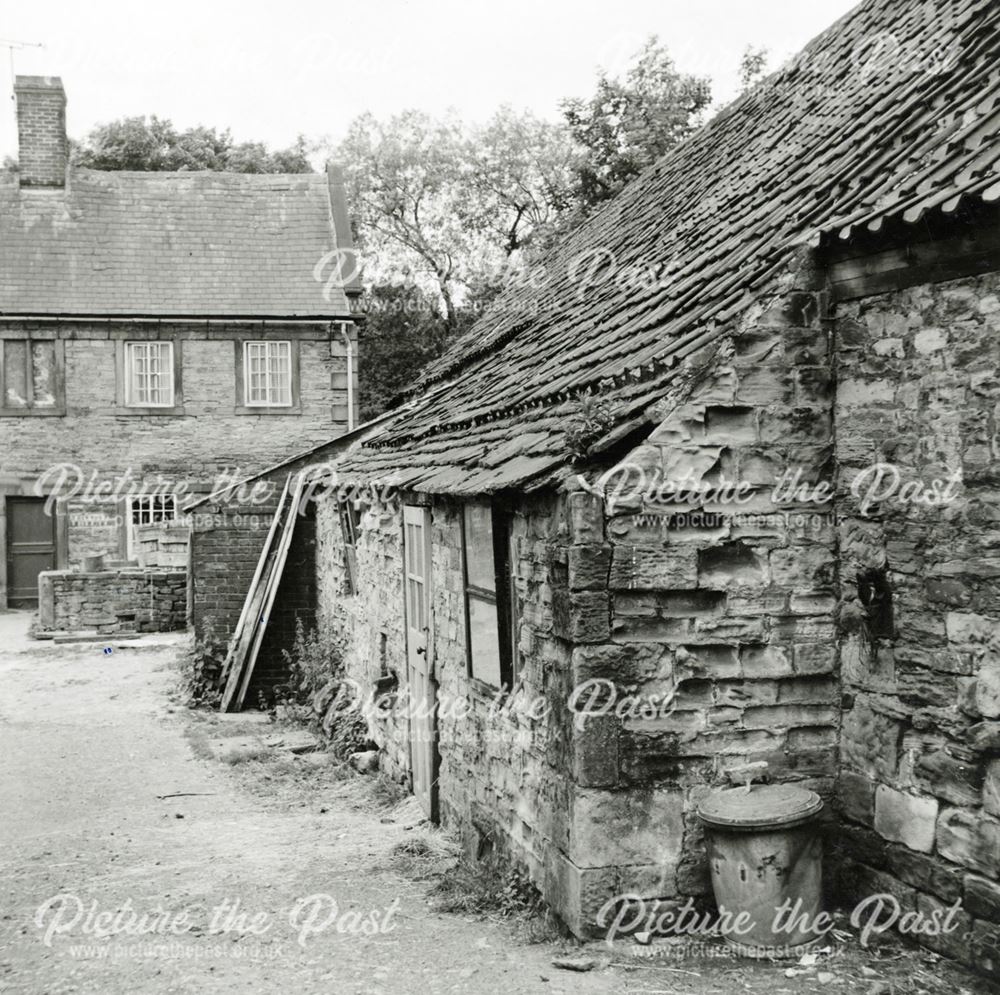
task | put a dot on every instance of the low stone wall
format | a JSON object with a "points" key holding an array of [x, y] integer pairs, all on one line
{"points": [[112, 601]]}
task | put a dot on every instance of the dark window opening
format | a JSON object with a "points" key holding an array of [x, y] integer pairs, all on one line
{"points": [[349, 523], [875, 594], [490, 597]]}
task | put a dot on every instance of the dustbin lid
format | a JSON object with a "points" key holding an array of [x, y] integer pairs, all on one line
{"points": [[763, 806]]}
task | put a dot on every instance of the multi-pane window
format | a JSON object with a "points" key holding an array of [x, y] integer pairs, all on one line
{"points": [[267, 372], [489, 596], [149, 374], [149, 509]]}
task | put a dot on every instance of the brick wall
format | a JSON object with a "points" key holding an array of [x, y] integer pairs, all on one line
{"points": [[112, 601], [41, 129], [294, 604], [226, 543], [920, 783]]}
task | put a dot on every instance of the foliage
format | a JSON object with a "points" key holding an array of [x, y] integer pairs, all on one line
{"points": [[753, 65], [446, 205], [316, 658], [446, 212], [349, 734], [595, 417], [316, 666], [201, 669], [154, 145], [629, 123], [494, 888], [404, 331]]}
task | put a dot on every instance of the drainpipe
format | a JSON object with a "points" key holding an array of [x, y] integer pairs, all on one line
{"points": [[344, 325]]}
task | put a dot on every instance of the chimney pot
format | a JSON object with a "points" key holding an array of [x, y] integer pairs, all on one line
{"points": [[43, 149]]}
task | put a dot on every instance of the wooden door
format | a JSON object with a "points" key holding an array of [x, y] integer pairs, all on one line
{"points": [[31, 548], [421, 694]]}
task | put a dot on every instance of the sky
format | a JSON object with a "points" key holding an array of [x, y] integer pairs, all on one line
{"points": [[273, 70]]}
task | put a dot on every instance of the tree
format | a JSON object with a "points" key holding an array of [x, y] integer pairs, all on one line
{"points": [[154, 145], [449, 205], [753, 65], [404, 331], [629, 123], [403, 181], [447, 213], [522, 170]]}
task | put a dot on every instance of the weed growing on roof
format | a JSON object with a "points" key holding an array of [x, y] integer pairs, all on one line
{"points": [[594, 418]]}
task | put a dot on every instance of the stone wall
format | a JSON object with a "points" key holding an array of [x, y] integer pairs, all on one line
{"points": [[854, 653], [96, 442], [504, 761], [112, 601], [920, 618], [722, 615], [717, 602], [372, 618], [207, 436]]}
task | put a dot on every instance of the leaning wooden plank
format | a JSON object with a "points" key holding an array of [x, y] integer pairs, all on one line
{"points": [[237, 638], [235, 662], [238, 633], [271, 584]]}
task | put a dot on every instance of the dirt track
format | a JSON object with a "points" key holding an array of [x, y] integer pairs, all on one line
{"points": [[89, 743]]}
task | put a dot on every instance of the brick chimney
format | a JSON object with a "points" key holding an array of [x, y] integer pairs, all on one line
{"points": [[41, 131]]}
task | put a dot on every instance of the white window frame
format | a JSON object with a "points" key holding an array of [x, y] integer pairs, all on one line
{"points": [[133, 390], [146, 507], [271, 348]]}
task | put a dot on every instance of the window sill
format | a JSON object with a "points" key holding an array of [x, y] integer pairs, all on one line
{"points": [[487, 692], [58, 412], [174, 411], [294, 409]]}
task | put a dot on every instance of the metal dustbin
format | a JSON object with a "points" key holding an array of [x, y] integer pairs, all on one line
{"points": [[766, 858]]}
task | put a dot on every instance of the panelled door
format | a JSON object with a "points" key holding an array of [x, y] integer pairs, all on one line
{"points": [[31, 548], [421, 694]]}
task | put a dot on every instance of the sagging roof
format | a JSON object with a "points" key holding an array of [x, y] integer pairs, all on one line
{"points": [[173, 244], [890, 113]]}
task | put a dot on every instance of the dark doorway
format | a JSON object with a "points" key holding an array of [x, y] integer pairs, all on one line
{"points": [[31, 548]]}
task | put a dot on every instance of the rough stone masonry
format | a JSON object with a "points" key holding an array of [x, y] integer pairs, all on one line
{"points": [[854, 653]]}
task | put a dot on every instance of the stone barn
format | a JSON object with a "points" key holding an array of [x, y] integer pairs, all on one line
{"points": [[720, 492]]}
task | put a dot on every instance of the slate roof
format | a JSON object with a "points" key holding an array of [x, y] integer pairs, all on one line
{"points": [[891, 112], [194, 244]]}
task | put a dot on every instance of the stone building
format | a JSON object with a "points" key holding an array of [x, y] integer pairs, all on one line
{"points": [[720, 491], [160, 334]]}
